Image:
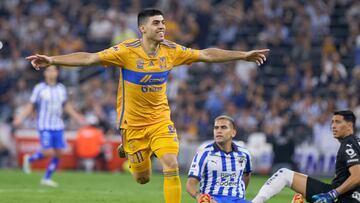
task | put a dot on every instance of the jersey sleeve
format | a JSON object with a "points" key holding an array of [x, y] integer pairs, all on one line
{"points": [[113, 56], [197, 165], [351, 154], [35, 95], [248, 167], [184, 55]]}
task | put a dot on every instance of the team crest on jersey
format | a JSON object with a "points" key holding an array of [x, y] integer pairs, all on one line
{"points": [[163, 62], [241, 160], [140, 63]]}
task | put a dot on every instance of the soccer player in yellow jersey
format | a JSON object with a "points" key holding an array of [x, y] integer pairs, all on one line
{"points": [[143, 111]]}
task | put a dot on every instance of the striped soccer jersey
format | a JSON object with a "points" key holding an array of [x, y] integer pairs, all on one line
{"points": [[221, 173], [49, 101]]}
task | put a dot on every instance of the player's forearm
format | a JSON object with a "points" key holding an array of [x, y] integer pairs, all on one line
{"points": [[28, 109], [350, 183], [246, 179], [191, 188], [220, 55], [69, 109], [76, 59]]}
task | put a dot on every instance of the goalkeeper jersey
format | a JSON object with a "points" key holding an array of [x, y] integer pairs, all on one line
{"points": [[141, 99]]}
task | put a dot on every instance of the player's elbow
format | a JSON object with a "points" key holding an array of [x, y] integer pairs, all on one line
{"points": [[205, 56], [91, 59]]}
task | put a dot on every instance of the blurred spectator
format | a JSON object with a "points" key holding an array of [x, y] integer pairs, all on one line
{"points": [[89, 142], [7, 147]]}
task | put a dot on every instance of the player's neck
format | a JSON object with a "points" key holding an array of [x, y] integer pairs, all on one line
{"points": [[150, 46], [51, 82], [226, 147]]}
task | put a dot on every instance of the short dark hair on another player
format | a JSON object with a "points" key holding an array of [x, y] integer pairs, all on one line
{"points": [[231, 120], [348, 116], [146, 13]]}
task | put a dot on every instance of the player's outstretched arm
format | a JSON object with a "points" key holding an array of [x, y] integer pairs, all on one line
{"points": [[28, 109], [219, 55], [69, 109], [75, 59]]}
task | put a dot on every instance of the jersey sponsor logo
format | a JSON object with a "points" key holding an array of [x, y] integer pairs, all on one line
{"points": [[350, 151], [356, 195], [226, 184], [148, 78], [163, 62], [150, 89], [228, 175], [140, 63], [226, 180], [353, 160]]}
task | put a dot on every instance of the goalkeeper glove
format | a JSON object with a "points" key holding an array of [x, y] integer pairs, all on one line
{"points": [[328, 197]]}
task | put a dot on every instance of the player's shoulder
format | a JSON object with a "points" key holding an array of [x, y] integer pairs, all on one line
{"points": [[352, 139], [135, 42], [40, 86], [168, 44], [207, 146], [62, 86], [240, 147]]}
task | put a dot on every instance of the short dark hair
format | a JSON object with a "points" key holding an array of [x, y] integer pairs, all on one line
{"points": [[146, 13], [231, 120], [348, 115]]}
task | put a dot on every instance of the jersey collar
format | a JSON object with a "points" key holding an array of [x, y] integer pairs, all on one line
{"points": [[233, 147]]}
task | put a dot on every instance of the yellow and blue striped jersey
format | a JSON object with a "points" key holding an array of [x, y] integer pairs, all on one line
{"points": [[141, 99]]}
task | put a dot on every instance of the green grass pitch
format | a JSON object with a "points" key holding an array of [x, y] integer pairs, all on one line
{"points": [[16, 187]]}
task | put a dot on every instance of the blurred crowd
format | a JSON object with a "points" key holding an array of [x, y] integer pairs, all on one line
{"points": [[313, 67]]}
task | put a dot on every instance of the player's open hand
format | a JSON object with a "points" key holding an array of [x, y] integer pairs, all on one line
{"points": [[39, 61], [257, 56]]}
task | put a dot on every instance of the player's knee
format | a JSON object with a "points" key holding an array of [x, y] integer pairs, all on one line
{"points": [[49, 153], [169, 162], [142, 180], [286, 174], [284, 171]]}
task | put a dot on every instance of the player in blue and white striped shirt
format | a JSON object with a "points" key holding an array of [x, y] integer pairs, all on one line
{"points": [[222, 168], [50, 100]]}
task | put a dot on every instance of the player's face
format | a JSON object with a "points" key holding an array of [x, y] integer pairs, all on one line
{"points": [[340, 127], [223, 131], [51, 73], [154, 28]]}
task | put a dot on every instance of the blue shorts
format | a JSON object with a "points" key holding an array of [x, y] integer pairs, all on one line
{"points": [[225, 199], [52, 139]]}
